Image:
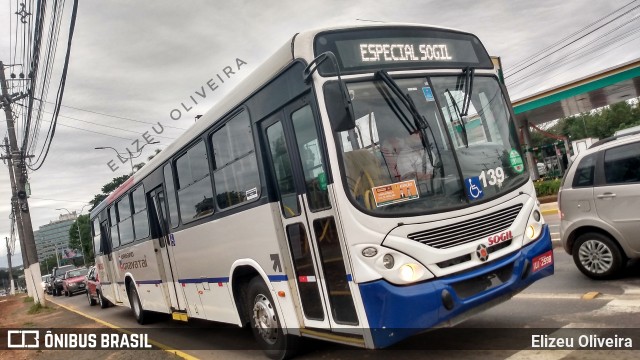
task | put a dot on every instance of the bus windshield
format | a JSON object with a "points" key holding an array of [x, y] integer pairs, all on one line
{"points": [[403, 162]]}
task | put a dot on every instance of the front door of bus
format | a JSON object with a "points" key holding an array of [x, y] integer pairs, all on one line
{"points": [[159, 219], [298, 171], [109, 286]]}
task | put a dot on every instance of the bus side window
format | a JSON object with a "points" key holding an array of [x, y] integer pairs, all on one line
{"points": [[195, 194], [140, 219], [95, 224], [113, 223], [236, 169], [125, 222], [170, 190]]}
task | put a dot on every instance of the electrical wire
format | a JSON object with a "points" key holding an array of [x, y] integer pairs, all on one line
{"points": [[531, 57], [566, 58], [571, 42], [60, 94], [118, 117]]}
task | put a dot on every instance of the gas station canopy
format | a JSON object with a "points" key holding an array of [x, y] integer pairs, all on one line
{"points": [[606, 87]]}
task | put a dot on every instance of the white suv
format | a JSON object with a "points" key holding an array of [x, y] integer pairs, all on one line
{"points": [[599, 203]]}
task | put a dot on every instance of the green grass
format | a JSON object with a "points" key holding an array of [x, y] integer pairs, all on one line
{"points": [[28, 299], [38, 308]]}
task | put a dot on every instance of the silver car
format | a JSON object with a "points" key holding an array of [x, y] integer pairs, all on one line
{"points": [[599, 203]]}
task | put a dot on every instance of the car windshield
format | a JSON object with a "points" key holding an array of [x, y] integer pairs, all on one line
{"points": [[399, 161], [75, 273]]}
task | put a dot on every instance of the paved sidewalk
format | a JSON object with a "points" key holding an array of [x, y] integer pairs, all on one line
{"points": [[549, 208]]}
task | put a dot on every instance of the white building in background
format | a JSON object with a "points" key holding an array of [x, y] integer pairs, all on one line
{"points": [[54, 235]]}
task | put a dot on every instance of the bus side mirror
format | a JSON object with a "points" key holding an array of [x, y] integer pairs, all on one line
{"points": [[338, 102], [336, 94]]}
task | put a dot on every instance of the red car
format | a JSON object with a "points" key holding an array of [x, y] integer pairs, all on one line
{"points": [[94, 294], [74, 281]]}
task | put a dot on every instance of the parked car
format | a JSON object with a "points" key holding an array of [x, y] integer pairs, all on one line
{"points": [[45, 280], [57, 275], [73, 281], [599, 203], [94, 291]]}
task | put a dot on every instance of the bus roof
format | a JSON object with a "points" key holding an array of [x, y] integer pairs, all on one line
{"points": [[259, 77]]}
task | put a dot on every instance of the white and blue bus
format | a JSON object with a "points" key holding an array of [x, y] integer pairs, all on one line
{"points": [[362, 185]]}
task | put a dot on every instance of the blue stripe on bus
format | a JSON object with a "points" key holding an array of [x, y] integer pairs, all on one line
{"points": [[152, 282], [277, 277], [201, 280], [349, 278]]}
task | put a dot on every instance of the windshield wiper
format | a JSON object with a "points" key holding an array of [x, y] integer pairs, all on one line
{"points": [[419, 120], [459, 115], [468, 74]]}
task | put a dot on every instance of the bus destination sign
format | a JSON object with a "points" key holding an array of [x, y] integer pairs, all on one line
{"points": [[371, 49], [404, 52]]}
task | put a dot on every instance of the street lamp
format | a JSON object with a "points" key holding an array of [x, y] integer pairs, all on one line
{"points": [[131, 157], [84, 258]]}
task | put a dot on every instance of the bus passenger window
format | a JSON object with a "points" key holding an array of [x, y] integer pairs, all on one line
{"points": [[194, 184], [171, 195], [96, 236], [236, 171], [125, 223], [113, 223], [140, 219]]}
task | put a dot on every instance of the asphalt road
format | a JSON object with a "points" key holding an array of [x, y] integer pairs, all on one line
{"points": [[567, 300]]}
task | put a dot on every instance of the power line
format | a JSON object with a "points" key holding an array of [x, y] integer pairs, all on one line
{"points": [[521, 62], [118, 117], [566, 58], [108, 126], [572, 42], [61, 86]]}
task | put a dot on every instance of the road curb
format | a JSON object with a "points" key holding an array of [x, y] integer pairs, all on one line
{"points": [[161, 346], [549, 211]]}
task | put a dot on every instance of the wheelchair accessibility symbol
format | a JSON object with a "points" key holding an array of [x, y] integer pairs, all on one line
{"points": [[473, 188]]}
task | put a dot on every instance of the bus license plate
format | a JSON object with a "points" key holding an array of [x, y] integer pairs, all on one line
{"points": [[542, 261]]}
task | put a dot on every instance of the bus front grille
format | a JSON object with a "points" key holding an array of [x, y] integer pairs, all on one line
{"points": [[447, 236]]}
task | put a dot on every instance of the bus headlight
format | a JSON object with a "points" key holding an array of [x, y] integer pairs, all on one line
{"points": [[391, 265], [534, 226], [410, 272], [388, 261]]}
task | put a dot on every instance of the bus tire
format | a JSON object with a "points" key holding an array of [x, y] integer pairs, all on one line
{"points": [[266, 324], [142, 316]]}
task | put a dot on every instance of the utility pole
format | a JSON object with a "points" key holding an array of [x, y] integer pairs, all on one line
{"points": [[12, 290], [32, 266]]}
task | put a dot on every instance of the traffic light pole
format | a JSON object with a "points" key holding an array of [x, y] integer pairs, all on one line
{"points": [[32, 266]]}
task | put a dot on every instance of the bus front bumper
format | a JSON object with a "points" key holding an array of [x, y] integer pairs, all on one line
{"points": [[397, 312]]}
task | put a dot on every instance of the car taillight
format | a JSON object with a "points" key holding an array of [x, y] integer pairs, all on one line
{"points": [[559, 204]]}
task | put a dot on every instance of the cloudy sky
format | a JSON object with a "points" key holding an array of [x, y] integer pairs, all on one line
{"points": [[139, 60]]}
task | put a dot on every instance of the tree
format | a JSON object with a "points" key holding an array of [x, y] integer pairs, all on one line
{"points": [[157, 151], [601, 123], [113, 184], [47, 264], [107, 189], [87, 240]]}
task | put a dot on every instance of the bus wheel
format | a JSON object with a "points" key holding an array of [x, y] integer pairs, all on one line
{"points": [[141, 315], [265, 322]]}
